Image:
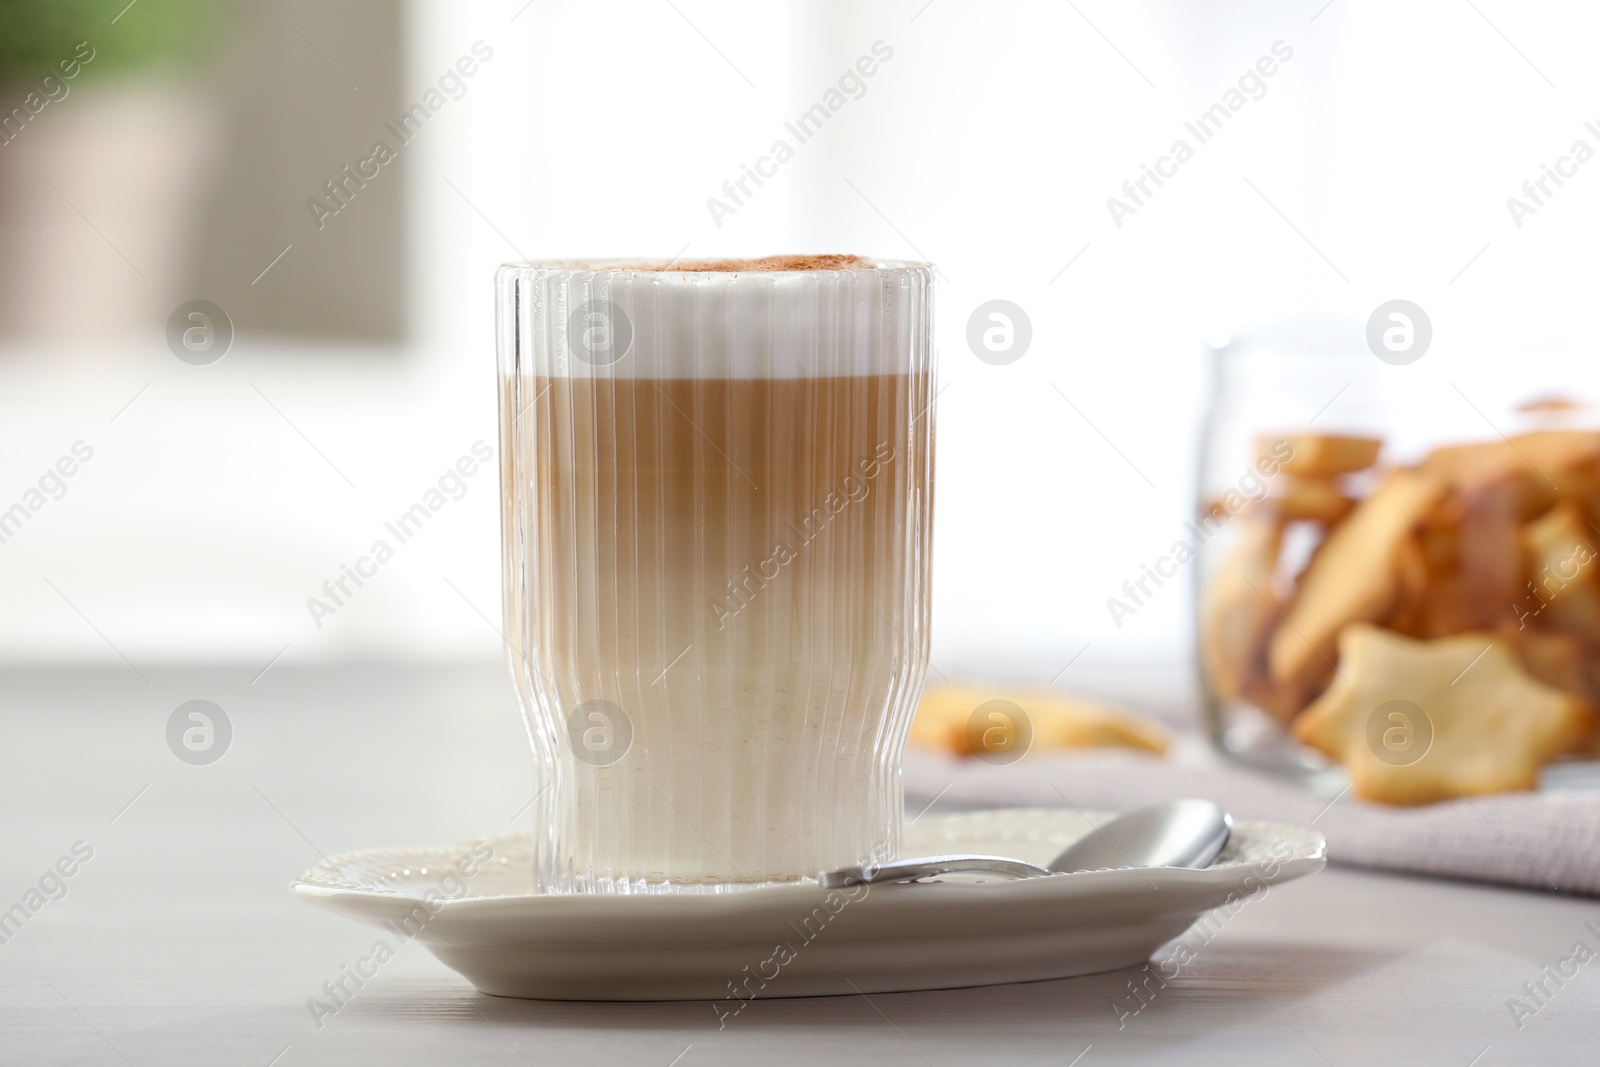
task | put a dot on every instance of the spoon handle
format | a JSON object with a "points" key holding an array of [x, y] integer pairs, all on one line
{"points": [[926, 867]]}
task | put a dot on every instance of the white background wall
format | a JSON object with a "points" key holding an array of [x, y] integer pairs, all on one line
{"points": [[1376, 166]]}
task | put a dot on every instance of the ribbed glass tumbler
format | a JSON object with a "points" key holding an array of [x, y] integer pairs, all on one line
{"points": [[716, 491]]}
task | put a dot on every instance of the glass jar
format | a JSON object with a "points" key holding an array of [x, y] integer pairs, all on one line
{"points": [[1397, 582]]}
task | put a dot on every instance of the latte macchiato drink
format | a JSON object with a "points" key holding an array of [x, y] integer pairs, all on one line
{"points": [[717, 483]]}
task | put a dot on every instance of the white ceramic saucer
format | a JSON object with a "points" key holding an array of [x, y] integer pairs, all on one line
{"points": [[800, 940]]}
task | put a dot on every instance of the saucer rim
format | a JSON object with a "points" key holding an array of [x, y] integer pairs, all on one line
{"points": [[1309, 856]]}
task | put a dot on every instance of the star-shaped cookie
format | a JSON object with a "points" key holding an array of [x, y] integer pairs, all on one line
{"points": [[1420, 721]]}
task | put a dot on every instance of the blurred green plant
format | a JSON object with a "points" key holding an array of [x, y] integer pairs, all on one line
{"points": [[36, 35]]}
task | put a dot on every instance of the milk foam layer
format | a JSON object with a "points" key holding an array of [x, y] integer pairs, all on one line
{"points": [[638, 320]]}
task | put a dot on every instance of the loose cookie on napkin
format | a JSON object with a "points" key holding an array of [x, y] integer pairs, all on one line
{"points": [[1004, 725]]}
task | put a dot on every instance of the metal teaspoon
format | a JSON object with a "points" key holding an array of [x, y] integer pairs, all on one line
{"points": [[1174, 833]]}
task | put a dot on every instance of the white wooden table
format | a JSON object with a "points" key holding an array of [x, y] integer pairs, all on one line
{"points": [[178, 942]]}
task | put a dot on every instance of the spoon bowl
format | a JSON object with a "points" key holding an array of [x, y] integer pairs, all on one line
{"points": [[1175, 833]]}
